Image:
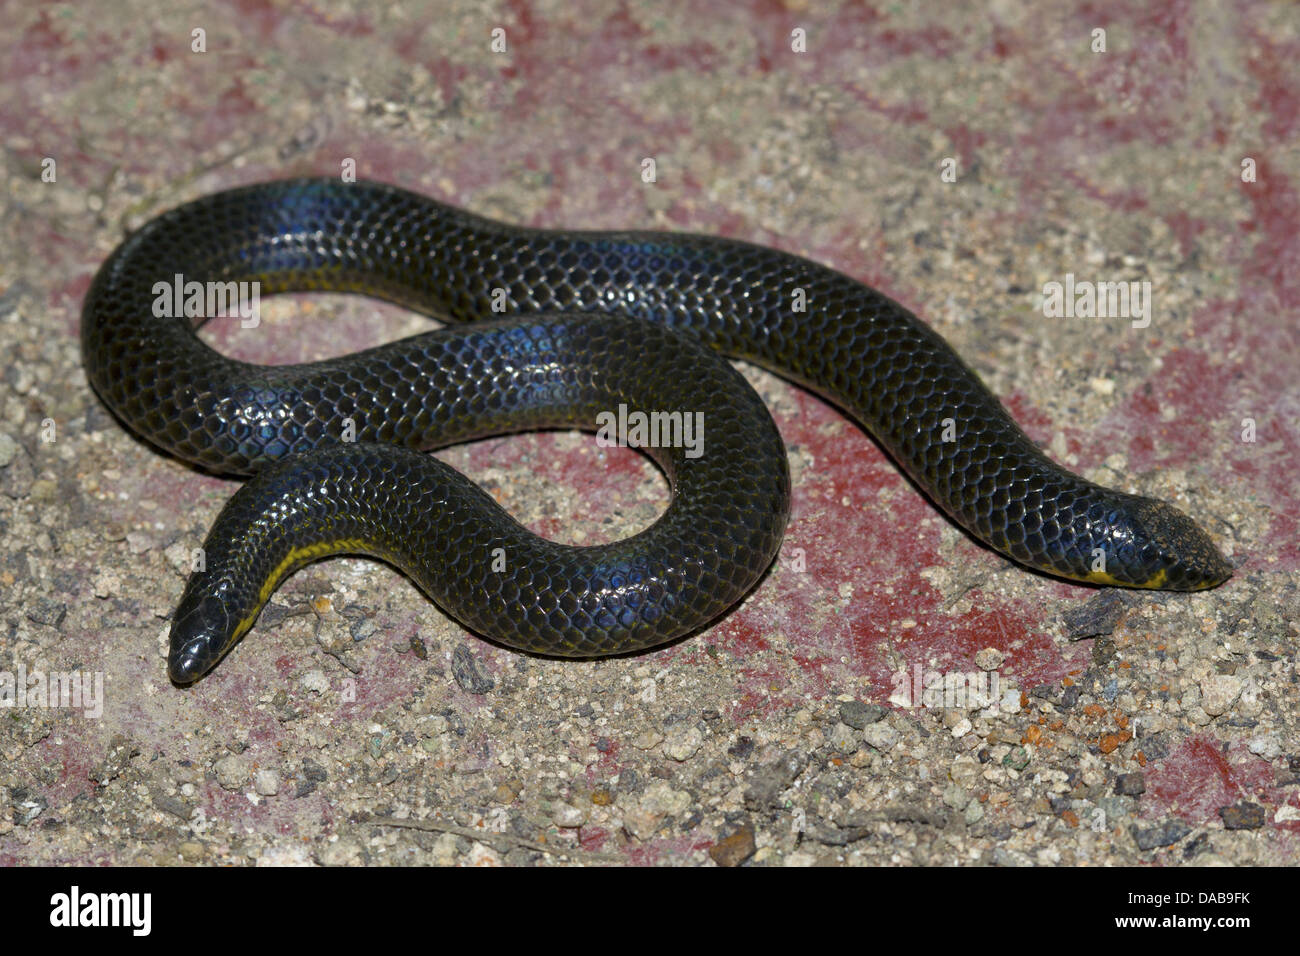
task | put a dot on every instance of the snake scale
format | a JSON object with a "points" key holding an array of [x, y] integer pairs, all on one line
{"points": [[592, 321]]}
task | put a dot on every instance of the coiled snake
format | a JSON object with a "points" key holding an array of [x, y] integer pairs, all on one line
{"points": [[595, 321]]}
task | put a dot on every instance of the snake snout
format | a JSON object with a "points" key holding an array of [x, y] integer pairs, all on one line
{"points": [[198, 639]]}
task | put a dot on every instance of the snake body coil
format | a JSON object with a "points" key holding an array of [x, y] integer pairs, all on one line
{"points": [[571, 349]]}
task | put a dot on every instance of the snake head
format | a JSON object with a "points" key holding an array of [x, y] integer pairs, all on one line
{"points": [[1160, 547], [202, 632], [1192, 561]]}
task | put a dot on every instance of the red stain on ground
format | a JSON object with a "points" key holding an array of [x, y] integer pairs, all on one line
{"points": [[1188, 383], [1273, 67], [592, 839], [260, 17], [1275, 220], [665, 848], [1201, 777], [1188, 228], [74, 761], [741, 637]]}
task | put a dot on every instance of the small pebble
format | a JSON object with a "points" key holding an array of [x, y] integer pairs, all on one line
{"points": [[568, 816], [682, 742], [1018, 759], [232, 772], [964, 772], [314, 682], [47, 612], [1266, 746], [137, 542], [1097, 616], [1219, 692], [1167, 834], [661, 799], [1130, 784], [44, 490], [647, 740], [1242, 816], [8, 450], [735, 849], [843, 739], [105, 584], [468, 672], [859, 715], [881, 736], [765, 788], [955, 797], [267, 783]]}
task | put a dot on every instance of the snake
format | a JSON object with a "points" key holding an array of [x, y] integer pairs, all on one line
{"points": [[545, 329]]}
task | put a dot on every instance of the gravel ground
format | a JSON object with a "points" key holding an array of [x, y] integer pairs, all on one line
{"points": [[357, 724]]}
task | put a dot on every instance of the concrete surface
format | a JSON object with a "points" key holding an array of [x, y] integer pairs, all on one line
{"points": [[781, 735]]}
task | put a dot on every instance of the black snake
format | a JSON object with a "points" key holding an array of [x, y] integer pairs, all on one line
{"points": [[593, 321]]}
